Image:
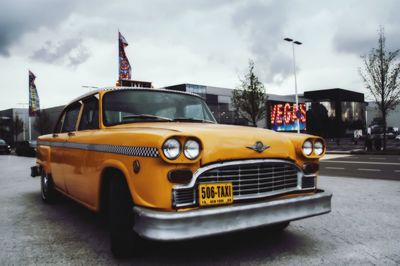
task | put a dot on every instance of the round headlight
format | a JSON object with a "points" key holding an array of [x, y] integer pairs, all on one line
{"points": [[307, 147], [171, 149], [191, 149], [318, 147]]}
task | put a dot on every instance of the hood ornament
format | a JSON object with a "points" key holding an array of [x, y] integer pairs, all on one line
{"points": [[258, 147]]}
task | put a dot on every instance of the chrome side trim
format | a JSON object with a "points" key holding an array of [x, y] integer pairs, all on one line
{"points": [[169, 226]]}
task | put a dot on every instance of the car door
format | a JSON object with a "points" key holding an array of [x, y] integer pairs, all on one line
{"points": [[56, 153], [80, 181], [67, 153]]}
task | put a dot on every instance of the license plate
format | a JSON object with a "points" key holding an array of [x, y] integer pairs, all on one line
{"points": [[215, 194]]}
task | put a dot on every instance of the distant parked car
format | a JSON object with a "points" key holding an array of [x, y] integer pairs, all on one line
{"points": [[26, 148], [390, 135], [397, 138], [4, 147]]}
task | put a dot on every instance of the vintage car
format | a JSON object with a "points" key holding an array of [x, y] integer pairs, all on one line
{"points": [[160, 166], [4, 147]]}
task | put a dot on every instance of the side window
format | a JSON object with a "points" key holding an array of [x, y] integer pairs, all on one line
{"points": [[60, 121], [90, 114], [71, 117]]}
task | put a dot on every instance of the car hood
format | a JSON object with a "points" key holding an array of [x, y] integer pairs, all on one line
{"points": [[220, 142]]}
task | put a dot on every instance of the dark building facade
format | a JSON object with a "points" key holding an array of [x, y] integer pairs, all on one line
{"points": [[219, 100], [334, 112], [327, 113], [31, 127], [8, 131]]}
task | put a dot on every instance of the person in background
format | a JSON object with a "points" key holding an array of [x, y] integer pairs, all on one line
{"points": [[368, 142]]}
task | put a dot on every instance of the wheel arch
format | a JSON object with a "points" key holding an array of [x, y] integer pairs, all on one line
{"points": [[110, 171], [43, 158]]}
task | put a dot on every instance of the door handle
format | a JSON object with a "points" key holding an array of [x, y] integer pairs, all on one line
{"points": [[71, 134]]}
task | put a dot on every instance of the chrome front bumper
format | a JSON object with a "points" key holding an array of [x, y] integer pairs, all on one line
{"points": [[167, 226]]}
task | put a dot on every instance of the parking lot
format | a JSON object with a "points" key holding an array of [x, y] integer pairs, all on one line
{"points": [[363, 228]]}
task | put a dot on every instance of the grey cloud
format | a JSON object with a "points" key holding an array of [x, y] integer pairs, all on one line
{"points": [[361, 43], [357, 32], [70, 52], [22, 16], [79, 56], [262, 23], [354, 42]]}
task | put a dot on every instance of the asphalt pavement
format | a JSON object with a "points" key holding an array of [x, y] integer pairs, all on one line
{"points": [[362, 229], [361, 165]]}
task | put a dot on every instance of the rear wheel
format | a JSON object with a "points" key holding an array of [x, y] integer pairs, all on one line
{"points": [[121, 219], [48, 192]]}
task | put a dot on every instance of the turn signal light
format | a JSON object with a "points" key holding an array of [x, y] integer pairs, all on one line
{"points": [[310, 168], [180, 176]]}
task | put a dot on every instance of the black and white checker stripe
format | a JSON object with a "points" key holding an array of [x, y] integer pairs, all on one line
{"points": [[128, 150], [125, 150]]}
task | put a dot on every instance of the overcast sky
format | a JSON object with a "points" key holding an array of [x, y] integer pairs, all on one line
{"points": [[70, 44]]}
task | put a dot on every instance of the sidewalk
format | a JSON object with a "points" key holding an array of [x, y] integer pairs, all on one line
{"points": [[347, 146]]}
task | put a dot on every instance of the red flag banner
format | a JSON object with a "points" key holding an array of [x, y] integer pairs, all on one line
{"points": [[34, 104], [124, 66]]}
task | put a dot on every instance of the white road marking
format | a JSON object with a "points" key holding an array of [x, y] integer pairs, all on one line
{"points": [[354, 162], [397, 171], [334, 168], [334, 156], [376, 158], [371, 170]]}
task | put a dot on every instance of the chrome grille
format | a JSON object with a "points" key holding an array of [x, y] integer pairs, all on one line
{"points": [[255, 179], [184, 197], [251, 180]]}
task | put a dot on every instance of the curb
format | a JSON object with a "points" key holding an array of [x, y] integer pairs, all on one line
{"points": [[387, 152], [338, 152]]}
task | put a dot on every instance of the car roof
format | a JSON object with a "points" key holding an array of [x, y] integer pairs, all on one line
{"points": [[129, 88]]}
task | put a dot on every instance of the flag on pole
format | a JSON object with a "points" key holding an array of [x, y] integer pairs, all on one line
{"points": [[34, 104], [124, 66]]}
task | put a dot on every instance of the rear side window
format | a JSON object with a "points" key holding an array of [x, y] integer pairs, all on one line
{"points": [[71, 117], [90, 114], [59, 123]]}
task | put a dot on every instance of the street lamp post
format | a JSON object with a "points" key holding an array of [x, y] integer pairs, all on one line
{"points": [[295, 82], [29, 122]]}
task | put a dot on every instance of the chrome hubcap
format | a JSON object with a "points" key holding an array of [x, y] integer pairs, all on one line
{"points": [[45, 186]]}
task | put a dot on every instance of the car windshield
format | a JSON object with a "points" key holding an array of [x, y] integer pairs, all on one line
{"points": [[127, 106], [2, 141]]}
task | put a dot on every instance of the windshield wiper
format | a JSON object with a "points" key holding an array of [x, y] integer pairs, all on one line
{"points": [[184, 119], [144, 116]]}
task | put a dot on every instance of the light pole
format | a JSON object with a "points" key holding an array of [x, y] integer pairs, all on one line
{"points": [[29, 121], [295, 82]]}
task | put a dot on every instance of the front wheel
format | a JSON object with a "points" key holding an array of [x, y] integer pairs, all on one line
{"points": [[48, 192], [123, 239]]}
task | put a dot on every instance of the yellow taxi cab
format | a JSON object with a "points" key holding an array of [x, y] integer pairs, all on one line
{"points": [[160, 166]]}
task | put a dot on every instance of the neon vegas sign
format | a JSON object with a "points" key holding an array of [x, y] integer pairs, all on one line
{"points": [[283, 116]]}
